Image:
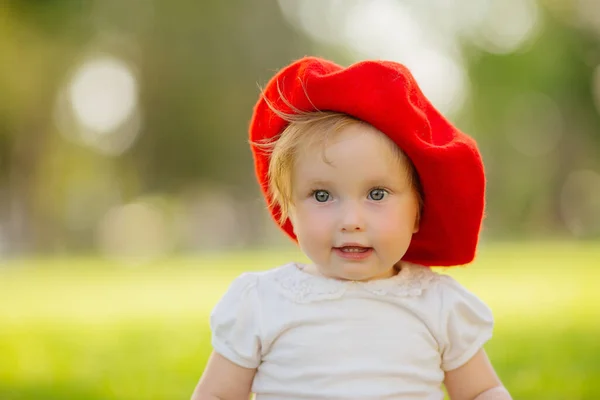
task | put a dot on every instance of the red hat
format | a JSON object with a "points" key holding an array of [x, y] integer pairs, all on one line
{"points": [[386, 95]]}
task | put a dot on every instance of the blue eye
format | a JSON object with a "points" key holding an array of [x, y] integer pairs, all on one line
{"points": [[377, 194], [321, 195]]}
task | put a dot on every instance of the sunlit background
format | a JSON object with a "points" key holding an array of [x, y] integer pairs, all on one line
{"points": [[128, 200]]}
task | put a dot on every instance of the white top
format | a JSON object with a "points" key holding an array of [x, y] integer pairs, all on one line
{"points": [[312, 337]]}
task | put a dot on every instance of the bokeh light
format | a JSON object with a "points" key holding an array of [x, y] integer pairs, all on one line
{"points": [[128, 202], [134, 233], [505, 26], [386, 29], [103, 94], [210, 220], [99, 106], [321, 26]]}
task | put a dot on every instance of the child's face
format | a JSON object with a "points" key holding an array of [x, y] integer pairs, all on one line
{"points": [[354, 209]]}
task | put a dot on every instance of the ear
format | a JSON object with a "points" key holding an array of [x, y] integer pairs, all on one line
{"points": [[417, 222], [416, 228]]}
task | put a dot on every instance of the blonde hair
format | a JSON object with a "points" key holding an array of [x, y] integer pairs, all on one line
{"points": [[304, 129]]}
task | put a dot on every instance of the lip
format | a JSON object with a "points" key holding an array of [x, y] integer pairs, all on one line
{"points": [[355, 256], [351, 244]]}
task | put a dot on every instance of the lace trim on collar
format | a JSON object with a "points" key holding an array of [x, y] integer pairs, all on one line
{"points": [[303, 287]]}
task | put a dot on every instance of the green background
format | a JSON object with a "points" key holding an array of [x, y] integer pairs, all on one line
{"points": [[84, 329]]}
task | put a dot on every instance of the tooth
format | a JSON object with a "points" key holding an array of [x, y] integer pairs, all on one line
{"points": [[353, 249]]}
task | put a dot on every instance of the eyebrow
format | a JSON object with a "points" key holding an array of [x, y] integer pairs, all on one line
{"points": [[316, 182], [378, 181]]}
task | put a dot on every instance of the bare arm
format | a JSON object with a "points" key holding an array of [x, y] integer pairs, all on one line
{"points": [[475, 380], [224, 380]]}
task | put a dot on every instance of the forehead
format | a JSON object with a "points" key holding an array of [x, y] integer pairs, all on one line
{"points": [[355, 151]]}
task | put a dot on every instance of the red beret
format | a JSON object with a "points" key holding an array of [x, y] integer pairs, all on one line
{"points": [[386, 95]]}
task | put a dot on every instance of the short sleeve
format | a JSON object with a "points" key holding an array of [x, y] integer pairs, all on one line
{"points": [[466, 324], [235, 323]]}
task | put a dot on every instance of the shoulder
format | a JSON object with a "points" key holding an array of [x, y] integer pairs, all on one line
{"points": [[447, 297], [256, 284], [245, 299], [464, 322], [452, 293], [255, 278], [237, 321]]}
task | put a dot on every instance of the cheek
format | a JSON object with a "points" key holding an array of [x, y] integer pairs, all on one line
{"points": [[390, 227], [311, 221], [397, 221]]}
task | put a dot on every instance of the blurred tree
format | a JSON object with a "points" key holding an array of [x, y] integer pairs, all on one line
{"points": [[533, 114], [33, 56], [197, 66], [201, 68]]}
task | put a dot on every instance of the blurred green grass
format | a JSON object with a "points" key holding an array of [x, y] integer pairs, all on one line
{"points": [[84, 328]]}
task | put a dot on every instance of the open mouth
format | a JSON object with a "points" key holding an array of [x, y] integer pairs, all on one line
{"points": [[353, 249], [353, 252]]}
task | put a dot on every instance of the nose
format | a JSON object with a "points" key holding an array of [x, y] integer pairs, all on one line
{"points": [[352, 218]]}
